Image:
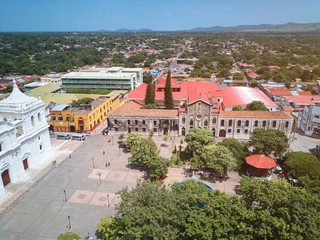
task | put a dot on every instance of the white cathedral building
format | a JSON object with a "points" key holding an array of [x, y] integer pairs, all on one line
{"points": [[24, 136]]}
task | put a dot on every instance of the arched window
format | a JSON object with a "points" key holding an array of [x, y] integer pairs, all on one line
{"points": [[206, 123], [256, 123], [239, 123], [247, 123], [214, 120], [222, 123], [287, 124], [191, 122], [230, 122], [60, 117], [32, 120], [264, 123], [274, 124], [183, 120], [143, 122], [39, 117]]}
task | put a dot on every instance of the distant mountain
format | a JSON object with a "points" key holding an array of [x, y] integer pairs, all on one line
{"points": [[288, 27], [143, 30]]}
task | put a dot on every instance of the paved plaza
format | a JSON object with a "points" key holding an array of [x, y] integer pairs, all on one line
{"points": [[82, 185]]}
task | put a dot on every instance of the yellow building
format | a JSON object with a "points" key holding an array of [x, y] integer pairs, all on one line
{"points": [[65, 118]]}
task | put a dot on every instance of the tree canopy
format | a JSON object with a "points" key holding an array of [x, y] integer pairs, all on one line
{"points": [[77, 103], [265, 210], [237, 108], [256, 106], [269, 142]]}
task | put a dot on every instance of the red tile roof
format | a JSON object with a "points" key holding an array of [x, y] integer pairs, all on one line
{"points": [[134, 109], [256, 114], [304, 93], [303, 99], [279, 92], [261, 161]]}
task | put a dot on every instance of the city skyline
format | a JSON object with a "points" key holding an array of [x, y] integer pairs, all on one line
{"points": [[84, 15]]}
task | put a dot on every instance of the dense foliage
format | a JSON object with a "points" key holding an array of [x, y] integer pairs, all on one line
{"points": [[168, 98], [269, 142], [256, 106], [145, 154], [77, 103], [266, 210]]}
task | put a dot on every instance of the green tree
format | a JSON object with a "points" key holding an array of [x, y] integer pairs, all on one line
{"points": [[69, 236], [143, 153], [268, 142], [219, 158], [149, 98], [256, 106], [9, 89], [77, 103], [168, 98], [237, 108], [121, 137], [279, 211], [253, 83], [239, 149], [238, 76], [196, 140], [133, 140]]}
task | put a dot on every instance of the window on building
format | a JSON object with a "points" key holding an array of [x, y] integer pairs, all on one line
{"points": [[247, 123], [238, 130], [274, 124], [191, 122], [183, 120], [143, 129], [40, 147], [60, 117], [39, 117], [129, 122], [229, 130], [154, 130], [154, 122], [136, 122], [264, 123], [5, 119], [116, 129], [53, 117], [68, 117], [287, 124], [94, 115], [104, 107], [137, 129], [32, 120], [256, 123], [0, 147], [230, 122], [222, 122], [246, 131], [39, 138], [100, 109], [239, 123], [115, 121], [143, 122], [214, 120], [206, 123]]}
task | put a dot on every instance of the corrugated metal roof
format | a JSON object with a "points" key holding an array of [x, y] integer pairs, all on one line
{"points": [[60, 107]]}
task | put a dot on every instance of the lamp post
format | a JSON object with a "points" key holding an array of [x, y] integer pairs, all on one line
{"points": [[65, 196], [93, 163], [99, 178], [69, 226]]}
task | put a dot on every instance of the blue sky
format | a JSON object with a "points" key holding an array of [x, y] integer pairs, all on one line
{"points": [[92, 15]]}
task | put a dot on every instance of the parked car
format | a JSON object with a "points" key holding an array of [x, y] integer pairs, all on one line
{"points": [[63, 136], [79, 137], [122, 145]]}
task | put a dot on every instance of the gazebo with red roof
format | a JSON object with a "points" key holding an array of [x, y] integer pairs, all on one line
{"points": [[260, 165]]}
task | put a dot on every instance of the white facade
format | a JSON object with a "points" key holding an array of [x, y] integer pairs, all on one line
{"points": [[309, 120], [24, 136], [52, 79]]}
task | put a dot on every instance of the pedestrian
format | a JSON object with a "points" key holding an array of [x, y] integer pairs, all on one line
{"points": [[103, 152], [108, 164]]}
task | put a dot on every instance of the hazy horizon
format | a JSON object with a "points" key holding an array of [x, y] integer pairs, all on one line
{"points": [[97, 15]]}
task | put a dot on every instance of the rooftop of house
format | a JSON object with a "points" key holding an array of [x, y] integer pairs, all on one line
{"points": [[279, 91], [134, 109]]}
